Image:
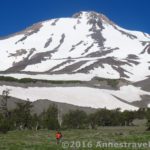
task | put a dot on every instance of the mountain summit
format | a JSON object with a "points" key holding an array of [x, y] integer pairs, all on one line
{"points": [[93, 16], [83, 47]]}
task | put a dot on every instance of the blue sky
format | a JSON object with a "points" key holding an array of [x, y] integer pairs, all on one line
{"points": [[16, 15]]}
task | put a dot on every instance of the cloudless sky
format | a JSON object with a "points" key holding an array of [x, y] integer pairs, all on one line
{"points": [[16, 15]]}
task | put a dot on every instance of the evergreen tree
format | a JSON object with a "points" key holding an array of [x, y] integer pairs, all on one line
{"points": [[128, 117], [5, 124], [50, 118], [22, 115], [4, 103], [92, 120], [75, 119], [148, 119]]}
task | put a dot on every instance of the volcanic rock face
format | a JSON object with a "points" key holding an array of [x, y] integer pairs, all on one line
{"points": [[85, 46]]}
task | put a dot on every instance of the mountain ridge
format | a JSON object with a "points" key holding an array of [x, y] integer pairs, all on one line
{"points": [[82, 47]]}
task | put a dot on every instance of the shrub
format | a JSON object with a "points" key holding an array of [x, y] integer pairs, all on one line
{"points": [[4, 126]]}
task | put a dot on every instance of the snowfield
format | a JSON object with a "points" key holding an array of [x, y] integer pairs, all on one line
{"points": [[79, 39], [81, 96]]}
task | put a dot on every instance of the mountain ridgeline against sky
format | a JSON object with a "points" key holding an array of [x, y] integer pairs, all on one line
{"points": [[87, 47]]}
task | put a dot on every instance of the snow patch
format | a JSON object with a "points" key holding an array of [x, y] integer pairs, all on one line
{"points": [[80, 96]]}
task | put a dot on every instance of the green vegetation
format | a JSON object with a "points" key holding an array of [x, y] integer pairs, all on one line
{"points": [[22, 118], [30, 80], [111, 82], [22, 130], [45, 139], [50, 118], [9, 79], [103, 117], [75, 120]]}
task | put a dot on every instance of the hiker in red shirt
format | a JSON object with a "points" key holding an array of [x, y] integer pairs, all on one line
{"points": [[58, 136]]}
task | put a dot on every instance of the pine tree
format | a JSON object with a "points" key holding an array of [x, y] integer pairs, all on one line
{"points": [[4, 103], [50, 118]]}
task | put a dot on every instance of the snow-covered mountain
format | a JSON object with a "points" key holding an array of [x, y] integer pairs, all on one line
{"points": [[82, 47]]}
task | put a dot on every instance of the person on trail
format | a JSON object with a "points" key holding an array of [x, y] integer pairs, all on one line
{"points": [[58, 137]]}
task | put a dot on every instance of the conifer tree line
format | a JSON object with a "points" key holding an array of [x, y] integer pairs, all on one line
{"points": [[22, 118]]}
